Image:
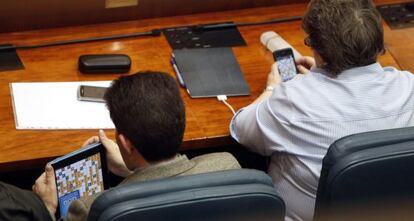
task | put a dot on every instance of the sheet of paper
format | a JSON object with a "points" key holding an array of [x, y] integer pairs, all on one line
{"points": [[54, 105]]}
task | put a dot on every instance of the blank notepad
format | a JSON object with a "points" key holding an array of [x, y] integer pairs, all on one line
{"points": [[54, 105]]}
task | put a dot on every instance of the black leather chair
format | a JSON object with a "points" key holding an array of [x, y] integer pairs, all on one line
{"points": [[226, 195], [368, 176]]}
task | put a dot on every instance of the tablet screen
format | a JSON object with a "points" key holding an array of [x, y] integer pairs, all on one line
{"points": [[78, 176]]}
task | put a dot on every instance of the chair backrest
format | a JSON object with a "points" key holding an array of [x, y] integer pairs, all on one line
{"points": [[370, 171], [225, 195]]}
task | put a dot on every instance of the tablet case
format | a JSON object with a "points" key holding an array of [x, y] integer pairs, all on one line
{"points": [[210, 72]]}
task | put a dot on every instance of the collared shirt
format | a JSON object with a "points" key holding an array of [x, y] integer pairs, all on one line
{"points": [[303, 116], [179, 164]]}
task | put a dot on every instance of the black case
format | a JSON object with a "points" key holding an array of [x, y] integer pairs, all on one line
{"points": [[104, 63]]}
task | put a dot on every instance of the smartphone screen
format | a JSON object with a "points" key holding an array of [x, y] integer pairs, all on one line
{"points": [[286, 63], [91, 93]]}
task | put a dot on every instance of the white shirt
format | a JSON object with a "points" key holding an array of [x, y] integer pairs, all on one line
{"points": [[303, 116]]}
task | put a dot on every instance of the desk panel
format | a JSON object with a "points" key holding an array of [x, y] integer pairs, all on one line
{"points": [[207, 119], [23, 15]]}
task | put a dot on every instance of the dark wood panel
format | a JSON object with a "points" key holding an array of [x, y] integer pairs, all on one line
{"points": [[29, 14]]}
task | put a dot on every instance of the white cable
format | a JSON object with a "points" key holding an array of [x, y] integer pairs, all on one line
{"points": [[223, 98], [230, 107]]}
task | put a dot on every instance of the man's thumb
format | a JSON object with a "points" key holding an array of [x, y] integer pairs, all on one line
{"points": [[49, 171], [102, 137]]}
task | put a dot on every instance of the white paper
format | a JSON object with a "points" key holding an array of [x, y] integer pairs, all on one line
{"points": [[54, 105]]}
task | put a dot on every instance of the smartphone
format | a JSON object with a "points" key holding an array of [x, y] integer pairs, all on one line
{"points": [[286, 63], [91, 93]]}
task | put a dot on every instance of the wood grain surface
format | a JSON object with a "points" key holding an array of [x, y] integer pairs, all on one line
{"points": [[207, 119]]}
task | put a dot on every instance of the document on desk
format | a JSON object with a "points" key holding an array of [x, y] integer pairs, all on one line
{"points": [[54, 105]]}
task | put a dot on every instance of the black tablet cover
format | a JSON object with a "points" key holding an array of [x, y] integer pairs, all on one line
{"points": [[209, 72]]}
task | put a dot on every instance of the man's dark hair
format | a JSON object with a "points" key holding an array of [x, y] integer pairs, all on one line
{"points": [[345, 33], [147, 108]]}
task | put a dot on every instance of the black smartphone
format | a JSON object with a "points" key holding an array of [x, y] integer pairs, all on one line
{"points": [[91, 93], [286, 63]]}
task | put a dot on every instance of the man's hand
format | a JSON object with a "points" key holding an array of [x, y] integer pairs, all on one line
{"points": [[91, 140], [273, 78], [113, 155], [45, 188], [305, 63]]}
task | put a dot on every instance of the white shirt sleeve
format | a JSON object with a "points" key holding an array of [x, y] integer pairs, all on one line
{"points": [[259, 126]]}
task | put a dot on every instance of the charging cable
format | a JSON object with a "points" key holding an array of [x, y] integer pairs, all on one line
{"points": [[223, 98]]}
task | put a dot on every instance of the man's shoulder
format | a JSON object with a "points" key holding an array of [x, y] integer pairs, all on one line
{"points": [[394, 72], [213, 162]]}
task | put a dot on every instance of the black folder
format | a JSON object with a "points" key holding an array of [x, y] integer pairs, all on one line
{"points": [[209, 72]]}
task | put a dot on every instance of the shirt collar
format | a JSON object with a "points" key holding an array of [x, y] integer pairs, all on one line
{"points": [[178, 165], [354, 74]]}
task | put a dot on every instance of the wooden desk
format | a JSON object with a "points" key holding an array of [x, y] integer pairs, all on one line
{"points": [[207, 119]]}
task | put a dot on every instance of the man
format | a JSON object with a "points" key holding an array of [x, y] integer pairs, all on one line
{"points": [[345, 92], [149, 116]]}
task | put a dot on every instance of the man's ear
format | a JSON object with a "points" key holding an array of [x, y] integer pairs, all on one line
{"points": [[126, 144]]}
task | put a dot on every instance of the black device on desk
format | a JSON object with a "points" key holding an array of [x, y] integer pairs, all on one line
{"points": [[80, 173], [204, 36], [9, 59], [209, 72], [104, 63], [399, 15], [285, 63], [91, 93]]}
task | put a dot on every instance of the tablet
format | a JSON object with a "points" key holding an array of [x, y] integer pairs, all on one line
{"points": [[78, 174]]}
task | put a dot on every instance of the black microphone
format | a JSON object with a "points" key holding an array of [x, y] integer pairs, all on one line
{"points": [[154, 32], [210, 27], [7, 47]]}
